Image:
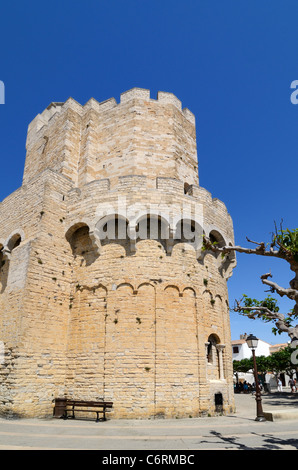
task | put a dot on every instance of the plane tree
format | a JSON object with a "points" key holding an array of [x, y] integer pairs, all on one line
{"points": [[275, 364], [284, 246], [246, 365], [280, 361]]}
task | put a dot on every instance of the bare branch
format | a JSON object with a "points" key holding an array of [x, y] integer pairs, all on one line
{"points": [[283, 252], [265, 276], [290, 293], [251, 241], [260, 250], [263, 310], [259, 312]]}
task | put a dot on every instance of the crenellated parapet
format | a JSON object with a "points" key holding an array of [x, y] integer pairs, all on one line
{"points": [[110, 139], [132, 199], [48, 116]]}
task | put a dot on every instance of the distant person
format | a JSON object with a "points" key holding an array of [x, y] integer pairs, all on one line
{"points": [[292, 385], [279, 385]]}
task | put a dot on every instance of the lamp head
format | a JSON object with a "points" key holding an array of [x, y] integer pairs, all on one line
{"points": [[252, 341]]}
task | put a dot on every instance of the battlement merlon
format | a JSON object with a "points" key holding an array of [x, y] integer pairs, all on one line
{"points": [[138, 135], [44, 118]]}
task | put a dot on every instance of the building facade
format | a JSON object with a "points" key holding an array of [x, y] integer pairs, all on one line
{"points": [[105, 291], [240, 350]]}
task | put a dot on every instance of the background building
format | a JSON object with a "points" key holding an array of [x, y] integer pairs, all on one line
{"points": [[240, 350]]}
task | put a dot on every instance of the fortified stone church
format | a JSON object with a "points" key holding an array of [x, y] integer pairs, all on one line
{"points": [[105, 290]]}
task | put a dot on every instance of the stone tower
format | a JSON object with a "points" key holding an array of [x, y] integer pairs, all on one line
{"points": [[105, 291]]}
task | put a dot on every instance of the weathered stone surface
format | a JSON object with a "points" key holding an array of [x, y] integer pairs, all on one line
{"points": [[141, 320]]}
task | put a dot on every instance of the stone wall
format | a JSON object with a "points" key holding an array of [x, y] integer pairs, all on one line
{"points": [[142, 321], [108, 140]]}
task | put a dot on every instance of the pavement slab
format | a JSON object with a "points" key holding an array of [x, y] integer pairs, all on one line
{"points": [[237, 431]]}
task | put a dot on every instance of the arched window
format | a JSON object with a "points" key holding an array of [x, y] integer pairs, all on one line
{"points": [[215, 357], [187, 188], [227, 262], [4, 268], [189, 231], [152, 227], [1, 256], [112, 227], [81, 243], [185, 230], [213, 340], [14, 242], [216, 237]]}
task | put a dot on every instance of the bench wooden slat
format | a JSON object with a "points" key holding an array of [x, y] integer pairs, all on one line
{"points": [[85, 403], [69, 405]]}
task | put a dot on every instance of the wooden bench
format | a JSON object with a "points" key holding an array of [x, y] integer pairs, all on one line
{"points": [[65, 408]]}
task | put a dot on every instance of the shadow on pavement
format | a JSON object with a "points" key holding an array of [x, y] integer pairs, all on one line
{"points": [[269, 442], [281, 399]]}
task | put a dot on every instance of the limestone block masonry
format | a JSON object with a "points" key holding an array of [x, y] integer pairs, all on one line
{"points": [[105, 291]]}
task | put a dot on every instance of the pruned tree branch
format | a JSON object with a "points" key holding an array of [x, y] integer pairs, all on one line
{"points": [[281, 322], [284, 245], [290, 293], [260, 250]]}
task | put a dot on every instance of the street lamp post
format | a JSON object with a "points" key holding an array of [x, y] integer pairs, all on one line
{"points": [[252, 343]]}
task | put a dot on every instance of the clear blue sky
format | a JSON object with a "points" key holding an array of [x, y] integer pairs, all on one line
{"points": [[230, 62]]}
